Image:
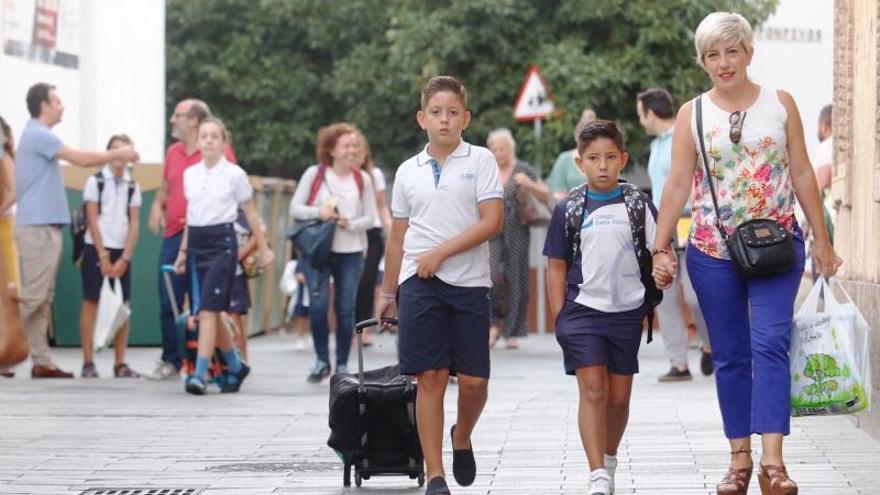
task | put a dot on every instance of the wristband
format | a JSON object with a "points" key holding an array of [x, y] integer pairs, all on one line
{"points": [[655, 252], [387, 295], [103, 255]]}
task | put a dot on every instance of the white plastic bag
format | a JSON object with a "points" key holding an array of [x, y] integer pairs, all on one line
{"points": [[288, 283], [112, 314], [830, 367]]}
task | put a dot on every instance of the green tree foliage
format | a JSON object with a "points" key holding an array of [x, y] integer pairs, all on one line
{"points": [[277, 70]]}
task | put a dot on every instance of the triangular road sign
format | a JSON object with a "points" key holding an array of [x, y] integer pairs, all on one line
{"points": [[534, 100]]}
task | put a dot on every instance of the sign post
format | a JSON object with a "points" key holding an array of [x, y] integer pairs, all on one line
{"points": [[535, 103]]}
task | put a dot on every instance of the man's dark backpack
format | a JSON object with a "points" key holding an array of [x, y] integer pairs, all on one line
{"points": [[636, 208], [79, 221]]}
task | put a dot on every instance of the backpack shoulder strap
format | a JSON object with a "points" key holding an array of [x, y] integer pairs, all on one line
{"points": [[132, 185], [359, 180], [574, 218], [636, 203], [99, 178], [316, 183]]}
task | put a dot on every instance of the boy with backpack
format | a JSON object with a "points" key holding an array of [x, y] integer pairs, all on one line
{"points": [[447, 204], [111, 200], [600, 287]]}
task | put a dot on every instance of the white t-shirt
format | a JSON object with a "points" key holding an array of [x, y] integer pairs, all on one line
{"points": [[213, 194], [437, 213], [379, 184], [605, 275], [359, 207], [824, 154], [113, 219]]}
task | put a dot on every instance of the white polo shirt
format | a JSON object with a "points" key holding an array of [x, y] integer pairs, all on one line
{"points": [[437, 213], [113, 219], [213, 195]]}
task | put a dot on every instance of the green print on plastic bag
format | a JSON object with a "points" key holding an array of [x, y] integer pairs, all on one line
{"points": [[828, 357]]}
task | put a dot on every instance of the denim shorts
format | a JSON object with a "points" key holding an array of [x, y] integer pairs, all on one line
{"points": [[443, 326], [591, 337]]}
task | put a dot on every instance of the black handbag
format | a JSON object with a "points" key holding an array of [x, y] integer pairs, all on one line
{"points": [[759, 247]]}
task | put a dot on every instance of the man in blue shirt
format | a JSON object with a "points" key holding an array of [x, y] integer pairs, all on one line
{"points": [[657, 116], [42, 212]]}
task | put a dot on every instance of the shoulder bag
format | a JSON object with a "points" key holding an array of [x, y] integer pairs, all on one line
{"points": [[761, 247]]}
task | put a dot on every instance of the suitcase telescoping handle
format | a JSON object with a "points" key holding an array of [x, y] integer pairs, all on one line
{"points": [[167, 271], [359, 329]]}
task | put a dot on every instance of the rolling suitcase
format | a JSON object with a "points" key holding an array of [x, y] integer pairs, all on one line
{"points": [[373, 421], [188, 330]]}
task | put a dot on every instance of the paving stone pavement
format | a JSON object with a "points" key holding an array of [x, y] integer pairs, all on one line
{"points": [[64, 437]]}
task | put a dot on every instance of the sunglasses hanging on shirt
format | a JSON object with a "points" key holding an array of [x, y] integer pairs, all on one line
{"points": [[736, 125]]}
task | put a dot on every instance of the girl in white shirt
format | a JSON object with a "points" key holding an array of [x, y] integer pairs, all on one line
{"points": [[214, 190], [342, 193]]}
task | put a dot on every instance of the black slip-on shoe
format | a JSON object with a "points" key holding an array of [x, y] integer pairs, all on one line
{"points": [[676, 375], [464, 467], [437, 486]]}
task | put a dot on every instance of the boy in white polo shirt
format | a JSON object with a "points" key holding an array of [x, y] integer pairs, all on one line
{"points": [[446, 204], [112, 200]]}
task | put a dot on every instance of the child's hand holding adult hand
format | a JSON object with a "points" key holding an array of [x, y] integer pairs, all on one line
{"points": [[428, 263], [664, 270]]}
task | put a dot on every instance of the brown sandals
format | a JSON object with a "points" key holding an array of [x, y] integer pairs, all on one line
{"points": [[736, 481]]}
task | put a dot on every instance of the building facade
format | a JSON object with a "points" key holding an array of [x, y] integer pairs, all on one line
{"points": [[856, 183]]}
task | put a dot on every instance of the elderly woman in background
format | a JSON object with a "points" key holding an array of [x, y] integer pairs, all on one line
{"points": [[509, 252], [758, 160]]}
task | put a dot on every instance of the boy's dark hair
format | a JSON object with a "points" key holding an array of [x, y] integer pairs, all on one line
{"points": [[657, 100], [119, 137], [825, 115], [444, 83], [36, 95], [596, 129]]}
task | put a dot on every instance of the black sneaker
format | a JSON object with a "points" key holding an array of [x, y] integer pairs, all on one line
{"points": [[232, 386], [706, 363], [195, 385], [675, 375], [320, 371]]}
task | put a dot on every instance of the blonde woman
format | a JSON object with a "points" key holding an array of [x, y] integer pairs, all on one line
{"points": [[758, 160]]}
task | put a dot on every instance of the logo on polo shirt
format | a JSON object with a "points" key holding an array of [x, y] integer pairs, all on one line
{"points": [[466, 177]]}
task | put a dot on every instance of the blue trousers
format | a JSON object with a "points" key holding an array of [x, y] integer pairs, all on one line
{"points": [[167, 256], [346, 271], [749, 323]]}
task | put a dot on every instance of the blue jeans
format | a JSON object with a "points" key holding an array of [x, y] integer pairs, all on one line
{"points": [[167, 256], [346, 271], [749, 323]]}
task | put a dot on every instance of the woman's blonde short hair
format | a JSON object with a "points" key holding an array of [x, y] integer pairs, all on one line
{"points": [[722, 27]]}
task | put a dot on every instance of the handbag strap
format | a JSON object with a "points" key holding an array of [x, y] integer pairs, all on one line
{"points": [[698, 104]]}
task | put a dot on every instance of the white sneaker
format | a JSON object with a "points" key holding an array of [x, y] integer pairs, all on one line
{"points": [[163, 371], [600, 483], [302, 343], [611, 467]]}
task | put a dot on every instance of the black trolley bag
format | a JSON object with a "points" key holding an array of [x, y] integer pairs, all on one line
{"points": [[373, 420]]}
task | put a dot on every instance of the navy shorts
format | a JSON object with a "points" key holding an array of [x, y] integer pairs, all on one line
{"points": [[591, 337], [240, 302], [443, 326], [92, 278], [213, 255]]}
